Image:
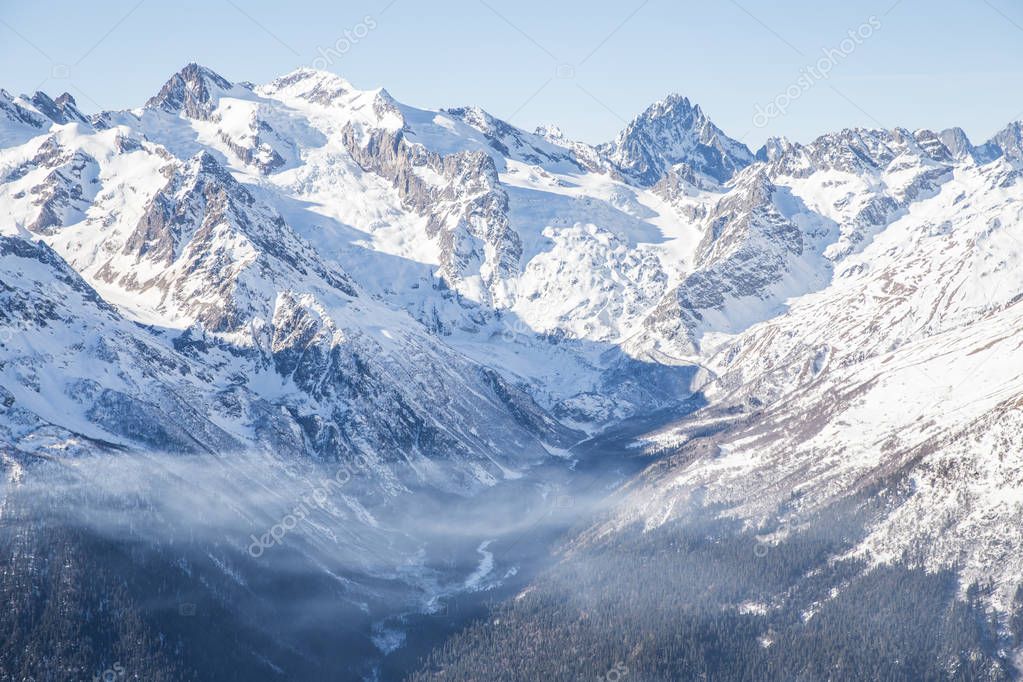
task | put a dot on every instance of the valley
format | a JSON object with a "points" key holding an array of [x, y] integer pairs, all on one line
{"points": [[298, 381]]}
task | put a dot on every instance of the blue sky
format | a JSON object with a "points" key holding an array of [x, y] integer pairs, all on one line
{"points": [[587, 66]]}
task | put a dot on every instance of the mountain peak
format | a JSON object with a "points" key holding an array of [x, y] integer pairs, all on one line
{"points": [[313, 85], [670, 131], [1009, 141], [957, 142], [672, 102], [61, 110], [19, 120], [192, 91], [193, 72], [774, 148], [65, 99]]}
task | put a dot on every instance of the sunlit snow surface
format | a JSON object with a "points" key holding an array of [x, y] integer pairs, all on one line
{"points": [[861, 293]]}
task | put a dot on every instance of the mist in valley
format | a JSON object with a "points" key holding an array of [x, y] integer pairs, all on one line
{"points": [[312, 567]]}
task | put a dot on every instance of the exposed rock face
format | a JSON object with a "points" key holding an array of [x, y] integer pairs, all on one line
{"points": [[408, 404], [193, 92], [510, 142], [317, 87], [462, 197], [62, 110], [674, 131], [1010, 142], [150, 402], [957, 143], [328, 274], [15, 112], [205, 232], [64, 193], [748, 246], [19, 121], [258, 153]]}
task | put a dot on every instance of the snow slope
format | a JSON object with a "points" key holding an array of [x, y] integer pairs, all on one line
{"points": [[322, 270]]}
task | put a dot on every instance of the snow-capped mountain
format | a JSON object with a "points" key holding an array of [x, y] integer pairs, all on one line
{"points": [[899, 377], [325, 273], [670, 132], [173, 215]]}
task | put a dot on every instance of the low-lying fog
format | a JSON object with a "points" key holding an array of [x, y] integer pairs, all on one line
{"points": [[296, 547]]}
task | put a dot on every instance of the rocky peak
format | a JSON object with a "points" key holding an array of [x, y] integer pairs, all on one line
{"points": [[957, 143], [933, 146], [478, 118], [511, 142], [1009, 142], [673, 131], [484, 121], [65, 99], [386, 109], [193, 91], [775, 148], [61, 110], [16, 112], [855, 150]]}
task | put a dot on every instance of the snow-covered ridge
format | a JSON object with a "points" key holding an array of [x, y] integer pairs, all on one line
{"points": [[326, 271]]}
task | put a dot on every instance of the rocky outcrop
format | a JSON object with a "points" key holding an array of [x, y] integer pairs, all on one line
{"points": [[210, 238], [748, 247], [462, 197]]}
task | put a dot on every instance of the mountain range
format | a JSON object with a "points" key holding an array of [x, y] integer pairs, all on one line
{"points": [[806, 336]]}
